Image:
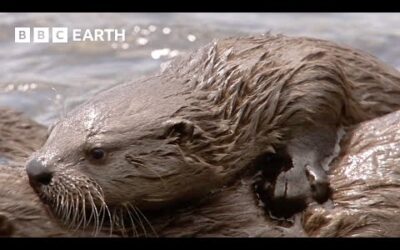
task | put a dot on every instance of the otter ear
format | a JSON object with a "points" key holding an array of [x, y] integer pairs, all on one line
{"points": [[177, 127]]}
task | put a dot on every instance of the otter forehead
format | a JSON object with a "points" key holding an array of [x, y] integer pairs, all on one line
{"points": [[130, 107]]}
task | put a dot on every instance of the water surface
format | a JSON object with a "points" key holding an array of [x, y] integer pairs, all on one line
{"points": [[46, 80]]}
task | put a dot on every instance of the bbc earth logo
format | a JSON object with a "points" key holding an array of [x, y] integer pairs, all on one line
{"points": [[64, 35]]}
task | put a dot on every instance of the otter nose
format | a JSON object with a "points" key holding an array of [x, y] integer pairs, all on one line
{"points": [[38, 173]]}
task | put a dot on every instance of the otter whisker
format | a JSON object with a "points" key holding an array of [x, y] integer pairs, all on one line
{"points": [[97, 220], [102, 211], [140, 221], [78, 205], [75, 205], [99, 192], [80, 214], [148, 222], [57, 204], [66, 208], [62, 205], [83, 213], [91, 213], [94, 212], [121, 217], [132, 222], [115, 219], [106, 212], [110, 218], [118, 221], [96, 195], [103, 207], [70, 210]]}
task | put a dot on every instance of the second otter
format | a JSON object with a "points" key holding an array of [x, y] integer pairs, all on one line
{"points": [[180, 134]]}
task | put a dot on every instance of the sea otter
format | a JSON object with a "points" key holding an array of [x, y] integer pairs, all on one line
{"points": [[195, 126]]}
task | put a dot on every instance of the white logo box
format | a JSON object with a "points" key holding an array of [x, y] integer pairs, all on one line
{"points": [[60, 35]]}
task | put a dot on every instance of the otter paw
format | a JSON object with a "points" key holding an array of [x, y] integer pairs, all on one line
{"points": [[287, 194], [292, 187], [319, 183]]}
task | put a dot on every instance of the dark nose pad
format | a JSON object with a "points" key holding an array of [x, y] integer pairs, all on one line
{"points": [[38, 173]]}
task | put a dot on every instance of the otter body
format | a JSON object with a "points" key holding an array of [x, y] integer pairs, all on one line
{"points": [[19, 136], [364, 178], [21, 212], [194, 127], [366, 182]]}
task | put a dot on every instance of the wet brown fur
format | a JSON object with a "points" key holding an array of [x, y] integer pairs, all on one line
{"points": [[365, 201], [366, 183], [196, 126]]}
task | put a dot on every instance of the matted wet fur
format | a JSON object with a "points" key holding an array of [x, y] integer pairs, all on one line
{"points": [[22, 213], [365, 200], [186, 132], [20, 136]]}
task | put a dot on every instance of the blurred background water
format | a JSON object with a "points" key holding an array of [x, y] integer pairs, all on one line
{"points": [[45, 80]]}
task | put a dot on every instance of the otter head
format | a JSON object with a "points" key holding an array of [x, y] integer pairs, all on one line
{"points": [[124, 148]]}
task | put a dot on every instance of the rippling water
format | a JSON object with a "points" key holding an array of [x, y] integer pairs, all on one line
{"points": [[45, 80]]}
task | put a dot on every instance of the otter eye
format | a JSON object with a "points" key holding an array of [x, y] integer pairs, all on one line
{"points": [[97, 153]]}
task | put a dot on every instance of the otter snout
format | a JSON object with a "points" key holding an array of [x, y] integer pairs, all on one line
{"points": [[38, 173]]}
